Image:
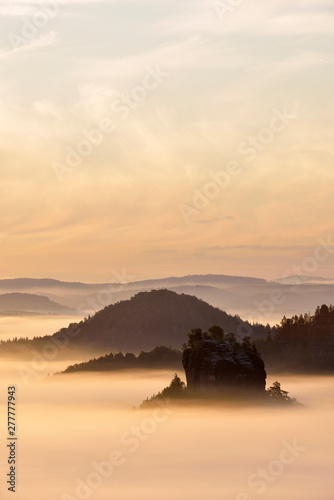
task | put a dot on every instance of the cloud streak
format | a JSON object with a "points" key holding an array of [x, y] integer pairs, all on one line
{"points": [[121, 203], [25, 47]]}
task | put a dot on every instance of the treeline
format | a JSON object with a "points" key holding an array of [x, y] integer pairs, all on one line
{"points": [[177, 390], [302, 343], [158, 317], [216, 333], [159, 358]]}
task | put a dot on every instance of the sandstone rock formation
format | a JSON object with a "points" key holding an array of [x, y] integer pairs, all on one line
{"points": [[215, 362]]}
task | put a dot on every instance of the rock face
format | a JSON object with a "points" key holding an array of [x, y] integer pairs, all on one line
{"points": [[214, 366]]}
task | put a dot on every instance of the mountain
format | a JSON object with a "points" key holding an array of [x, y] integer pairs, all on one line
{"points": [[158, 317], [248, 297], [304, 279], [21, 303]]}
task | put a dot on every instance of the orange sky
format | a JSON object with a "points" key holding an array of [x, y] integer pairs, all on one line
{"points": [[172, 140]]}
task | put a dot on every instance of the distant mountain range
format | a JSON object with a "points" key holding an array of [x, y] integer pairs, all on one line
{"points": [[165, 318], [251, 298], [27, 303], [150, 319]]}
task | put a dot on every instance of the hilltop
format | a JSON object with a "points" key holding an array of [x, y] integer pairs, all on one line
{"points": [[158, 317], [246, 296], [27, 303]]}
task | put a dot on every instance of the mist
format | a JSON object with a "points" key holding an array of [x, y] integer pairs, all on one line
{"points": [[33, 326], [79, 437]]}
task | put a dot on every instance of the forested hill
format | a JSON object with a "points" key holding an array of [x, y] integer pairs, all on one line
{"points": [[158, 317], [159, 358], [302, 343]]}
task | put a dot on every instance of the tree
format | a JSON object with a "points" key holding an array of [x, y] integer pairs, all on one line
{"points": [[119, 357], [176, 385], [247, 344], [195, 334], [176, 389], [216, 333], [230, 337], [278, 395]]}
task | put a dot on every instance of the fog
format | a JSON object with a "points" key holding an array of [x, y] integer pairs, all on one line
{"points": [[31, 326], [74, 429]]}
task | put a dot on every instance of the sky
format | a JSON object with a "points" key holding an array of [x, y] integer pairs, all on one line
{"points": [[165, 137]]}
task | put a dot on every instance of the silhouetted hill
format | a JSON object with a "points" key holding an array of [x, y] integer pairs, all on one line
{"points": [[245, 296], [158, 317], [159, 358], [29, 303]]}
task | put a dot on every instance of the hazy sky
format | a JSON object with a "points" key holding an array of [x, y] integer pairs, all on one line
{"points": [[184, 91]]}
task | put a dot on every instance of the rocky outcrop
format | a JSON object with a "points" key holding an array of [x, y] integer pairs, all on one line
{"points": [[218, 365]]}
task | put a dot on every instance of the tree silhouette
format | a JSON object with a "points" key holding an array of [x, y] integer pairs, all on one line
{"points": [[278, 395]]}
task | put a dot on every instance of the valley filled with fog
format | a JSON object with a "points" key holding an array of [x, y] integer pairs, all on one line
{"points": [[166, 249], [79, 437], [31, 326]]}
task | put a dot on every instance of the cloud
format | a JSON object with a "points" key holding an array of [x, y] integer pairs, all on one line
{"points": [[256, 248], [25, 46], [210, 221], [176, 55], [301, 23], [26, 7], [121, 203], [17, 9], [47, 108], [256, 18]]}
